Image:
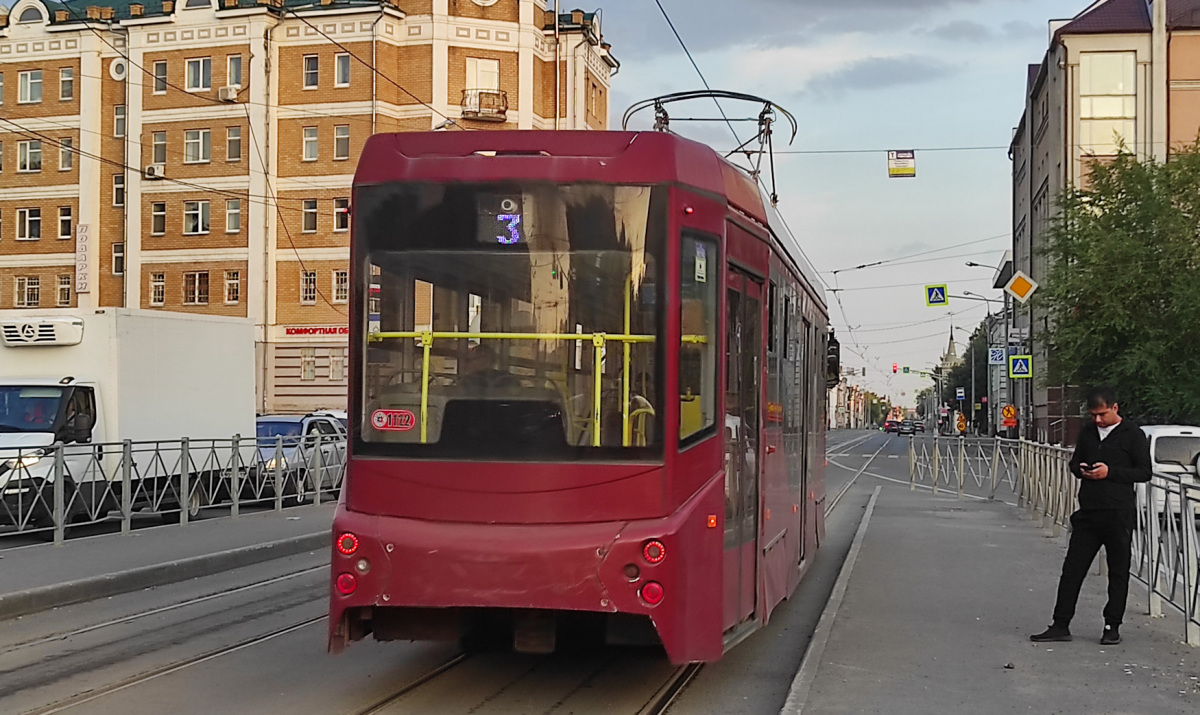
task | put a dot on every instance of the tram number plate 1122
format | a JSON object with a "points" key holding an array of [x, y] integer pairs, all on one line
{"points": [[393, 420]]}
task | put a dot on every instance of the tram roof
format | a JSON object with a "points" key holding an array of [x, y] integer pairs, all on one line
{"points": [[609, 157]]}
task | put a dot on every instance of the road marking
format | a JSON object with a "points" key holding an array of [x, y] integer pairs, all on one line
{"points": [[893, 456], [841, 493], [802, 683]]}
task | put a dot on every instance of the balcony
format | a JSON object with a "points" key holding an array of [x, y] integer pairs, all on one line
{"points": [[489, 105]]}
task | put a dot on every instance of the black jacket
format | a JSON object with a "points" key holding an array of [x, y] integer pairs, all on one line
{"points": [[1126, 451]]}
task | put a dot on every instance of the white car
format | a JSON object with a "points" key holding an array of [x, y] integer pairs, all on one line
{"points": [[1174, 450]]}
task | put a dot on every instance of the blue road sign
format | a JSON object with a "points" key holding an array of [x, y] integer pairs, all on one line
{"points": [[960, 393], [995, 356], [936, 295], [1020, 366]]}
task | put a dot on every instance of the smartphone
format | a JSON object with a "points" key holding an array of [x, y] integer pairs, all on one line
{"points": [[1084, 466]]}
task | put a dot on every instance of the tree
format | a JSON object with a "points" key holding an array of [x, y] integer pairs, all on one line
{"points": [[1123, 291]]}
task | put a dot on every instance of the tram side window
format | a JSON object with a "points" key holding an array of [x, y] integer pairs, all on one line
{"points": [[698, 351]]}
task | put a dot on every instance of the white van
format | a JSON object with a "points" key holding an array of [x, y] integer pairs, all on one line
{"points": [[1174, 450]]}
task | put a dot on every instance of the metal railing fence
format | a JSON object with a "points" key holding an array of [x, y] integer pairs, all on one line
{"points": [[172, 479], [1166, 544]]}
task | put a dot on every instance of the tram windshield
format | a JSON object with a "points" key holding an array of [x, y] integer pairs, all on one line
{"points": [[517, 322]]}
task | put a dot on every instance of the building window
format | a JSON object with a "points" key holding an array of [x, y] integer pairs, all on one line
{"points": [[193, 4], [118, 189], [341, 214], [233, 144], [233, 287], [118, 259], [1, 88], [1, 146], [29, 87], [66, 154], [233, 215], [66, 83], [119, 120], [197, 146], [233, 70], [308, 364], [29, 156], [341, 66], [483, 74], [64, 292], [195, 288], [308, 287], [158, 218], [199, 74], [29, 290], [160, 77], [310, 144], [29, 224], [195, 217], [341, 286], [341, 141], [310, 72], [1107, 102], [337, 364], [64, 222], [310, 216], [158, 144], [158, 288]]}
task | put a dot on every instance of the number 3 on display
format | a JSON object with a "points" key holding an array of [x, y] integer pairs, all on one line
{"points": [[513, 222]]}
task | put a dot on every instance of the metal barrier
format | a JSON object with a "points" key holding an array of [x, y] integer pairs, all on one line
{"points": [[175, 480], [1166, 544]]}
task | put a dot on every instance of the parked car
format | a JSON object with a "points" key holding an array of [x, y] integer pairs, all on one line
{"points": [[906, 427], [295, 439], [1174, 450], [891, 425]]}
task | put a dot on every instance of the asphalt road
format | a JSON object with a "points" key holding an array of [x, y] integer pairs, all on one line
{"points": [[253, 641]]}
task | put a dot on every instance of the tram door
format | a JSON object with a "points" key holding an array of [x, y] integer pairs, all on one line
{"points": [[743, 353]]}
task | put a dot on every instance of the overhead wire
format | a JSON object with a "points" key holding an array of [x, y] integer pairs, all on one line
{"points": [[887, 261]]}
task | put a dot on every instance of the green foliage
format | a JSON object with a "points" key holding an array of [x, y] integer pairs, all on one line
{"points": [[1123, 291]]}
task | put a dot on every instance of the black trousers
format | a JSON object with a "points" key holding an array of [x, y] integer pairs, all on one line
{"points": [[1112, 529]]}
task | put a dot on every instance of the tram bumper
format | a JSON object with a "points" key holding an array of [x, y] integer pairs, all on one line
{"points": [[420, 575]]}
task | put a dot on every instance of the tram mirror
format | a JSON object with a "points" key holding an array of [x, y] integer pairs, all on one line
{"points": [[833, 362]]}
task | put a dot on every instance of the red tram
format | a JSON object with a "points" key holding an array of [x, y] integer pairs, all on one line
{"points": [[588, 379]]}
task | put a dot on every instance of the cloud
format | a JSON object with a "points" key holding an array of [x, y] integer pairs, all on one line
{"points": [[962, 31], [880, 73], [638, 30]]}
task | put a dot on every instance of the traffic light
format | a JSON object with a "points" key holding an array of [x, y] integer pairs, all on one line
{"points": [[895, 367]]}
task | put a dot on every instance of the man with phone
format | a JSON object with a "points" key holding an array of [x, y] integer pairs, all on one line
{"points": [[1111, 456]]}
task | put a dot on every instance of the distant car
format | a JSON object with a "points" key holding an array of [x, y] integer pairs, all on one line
{"points": [[1174, 450], [906, 427], [891, 425], [297, 439], [919, 425]]}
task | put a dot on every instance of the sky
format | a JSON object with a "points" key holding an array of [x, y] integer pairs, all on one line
{"points": [[863, 75]]}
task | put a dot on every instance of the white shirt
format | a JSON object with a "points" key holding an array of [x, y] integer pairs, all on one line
{"points": [[1104, 431]]}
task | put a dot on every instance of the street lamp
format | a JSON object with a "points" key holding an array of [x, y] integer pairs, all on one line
{"points": [[1005, 340]]}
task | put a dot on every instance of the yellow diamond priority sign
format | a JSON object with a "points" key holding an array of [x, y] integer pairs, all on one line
{"points": [[1020, 286]]}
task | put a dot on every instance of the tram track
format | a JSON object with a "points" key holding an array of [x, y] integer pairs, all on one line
{"points": [[846, 487], [167, 669]]}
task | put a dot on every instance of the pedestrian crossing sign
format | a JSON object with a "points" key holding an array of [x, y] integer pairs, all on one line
{"points": [[936, 296], [1020, 366]]}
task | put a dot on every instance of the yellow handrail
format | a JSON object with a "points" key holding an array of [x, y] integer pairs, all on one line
{"points": [[598, 342]]}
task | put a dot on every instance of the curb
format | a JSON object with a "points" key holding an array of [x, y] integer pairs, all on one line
{"points": [[44, 598]]}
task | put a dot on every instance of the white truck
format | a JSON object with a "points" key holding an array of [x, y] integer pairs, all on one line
{"points": [[90, 379]]}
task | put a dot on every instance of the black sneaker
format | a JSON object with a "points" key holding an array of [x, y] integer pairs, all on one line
{"points": [[1052, 634], [1112, 635]]}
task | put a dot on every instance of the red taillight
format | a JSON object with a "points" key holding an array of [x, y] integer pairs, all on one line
{"points": [[345, 584], [652, 593], [654, 551], [347, 544]]}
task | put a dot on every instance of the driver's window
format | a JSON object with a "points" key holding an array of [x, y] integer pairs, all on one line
{"points": [[326, 428], [312, 428]]}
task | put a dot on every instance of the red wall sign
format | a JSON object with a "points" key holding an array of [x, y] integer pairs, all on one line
{"points": [[393, 420], [317, 330]]}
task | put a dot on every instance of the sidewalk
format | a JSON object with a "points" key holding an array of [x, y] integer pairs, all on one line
{"points": [[938, 610], [44, 576]]}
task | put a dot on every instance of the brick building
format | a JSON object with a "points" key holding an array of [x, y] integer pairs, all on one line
{"points": [[197, 155]]}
